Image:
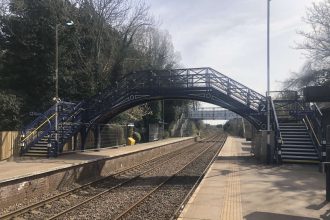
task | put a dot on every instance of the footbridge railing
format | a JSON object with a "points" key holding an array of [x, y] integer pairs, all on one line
{"points": [[202, 84]]}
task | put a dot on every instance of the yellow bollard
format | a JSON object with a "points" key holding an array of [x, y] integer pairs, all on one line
{"points": [[130, 141]]}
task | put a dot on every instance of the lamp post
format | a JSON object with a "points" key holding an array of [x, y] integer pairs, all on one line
{"points": [[268, 86], [56, 98]]}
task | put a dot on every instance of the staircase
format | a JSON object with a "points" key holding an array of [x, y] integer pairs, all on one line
{"points": [[297, 127], [297, 144], [38, 138], [39, 149]]}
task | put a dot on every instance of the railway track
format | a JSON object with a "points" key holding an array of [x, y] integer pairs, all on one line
{"points": [[121, 202], [53, 207], [164, 191]]}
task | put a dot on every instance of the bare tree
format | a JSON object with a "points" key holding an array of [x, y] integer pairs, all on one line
{"points": [[308, 76], [317, 40], [157, 47], [4, 7], [137, 18], [316, 47]]}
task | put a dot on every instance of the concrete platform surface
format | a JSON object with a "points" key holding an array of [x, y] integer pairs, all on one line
{"points": [[238, 187], [19, 168]]}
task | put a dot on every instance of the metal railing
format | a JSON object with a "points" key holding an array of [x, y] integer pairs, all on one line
{"points": [[313, 122], [177, 83], [276, 128], [43, 126], [138, 87]]}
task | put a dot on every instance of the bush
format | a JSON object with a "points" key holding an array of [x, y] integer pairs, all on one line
{"points": [[137, 136], [166, 134], [10, 106]]}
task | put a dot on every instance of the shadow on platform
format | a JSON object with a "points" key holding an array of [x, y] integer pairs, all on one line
{"points": [[274, 216]]}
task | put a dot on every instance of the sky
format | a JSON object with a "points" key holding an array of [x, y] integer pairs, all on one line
{"points": [[230, 36]]}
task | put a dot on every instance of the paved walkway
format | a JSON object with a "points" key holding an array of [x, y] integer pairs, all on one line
{"points": [[236, 187], [21, 168]]}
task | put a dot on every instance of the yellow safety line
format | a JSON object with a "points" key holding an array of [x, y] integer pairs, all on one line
{"points": [[232, 204], [39, 127]]}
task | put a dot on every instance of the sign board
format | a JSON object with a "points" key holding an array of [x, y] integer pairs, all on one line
{"points": [[317, 94]]}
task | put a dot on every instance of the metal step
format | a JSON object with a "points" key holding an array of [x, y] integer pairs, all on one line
{"points": [[40, 145], [294, 136], [308, 142], [297, 146], [298, 133], [300, 161], [297, 153], [291, 134], [295, 130], [300, 149], [35, 155], [38, 151], [38, 148], [299, 139], [292, 130], [300, 157], [293, 126]]}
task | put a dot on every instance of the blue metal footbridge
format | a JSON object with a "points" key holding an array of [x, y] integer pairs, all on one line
{"points": [[200, 84]]}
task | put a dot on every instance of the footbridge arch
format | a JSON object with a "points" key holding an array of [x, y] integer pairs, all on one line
{"points": [[201, 84]]}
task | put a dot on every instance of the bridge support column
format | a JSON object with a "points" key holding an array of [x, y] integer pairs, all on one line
{"points": [[327, 165], [83, 133], [327, 172], [75, 141], [269, 148], [97, 137], [279, 151]]}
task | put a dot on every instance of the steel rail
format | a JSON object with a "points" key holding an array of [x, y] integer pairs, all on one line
{"points": [[67, 193], [121, 216], [116, 186]]}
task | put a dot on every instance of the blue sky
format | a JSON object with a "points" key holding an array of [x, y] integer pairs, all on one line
{"points": [[230, 36]]}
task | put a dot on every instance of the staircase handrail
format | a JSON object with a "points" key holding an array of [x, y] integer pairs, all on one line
{"points": [[310, 126], [277, 126], [37, 130], [318, 114], [41, 125], [38, 120], [318, 109], [76, 110], [36, 134]]}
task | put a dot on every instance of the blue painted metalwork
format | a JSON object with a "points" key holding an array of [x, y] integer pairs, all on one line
{"points": [[202, 84], [290, 107], [211, 113]]}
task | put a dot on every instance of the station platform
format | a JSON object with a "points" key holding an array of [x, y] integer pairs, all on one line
{"points": [[237, 187], [21, 168]]}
